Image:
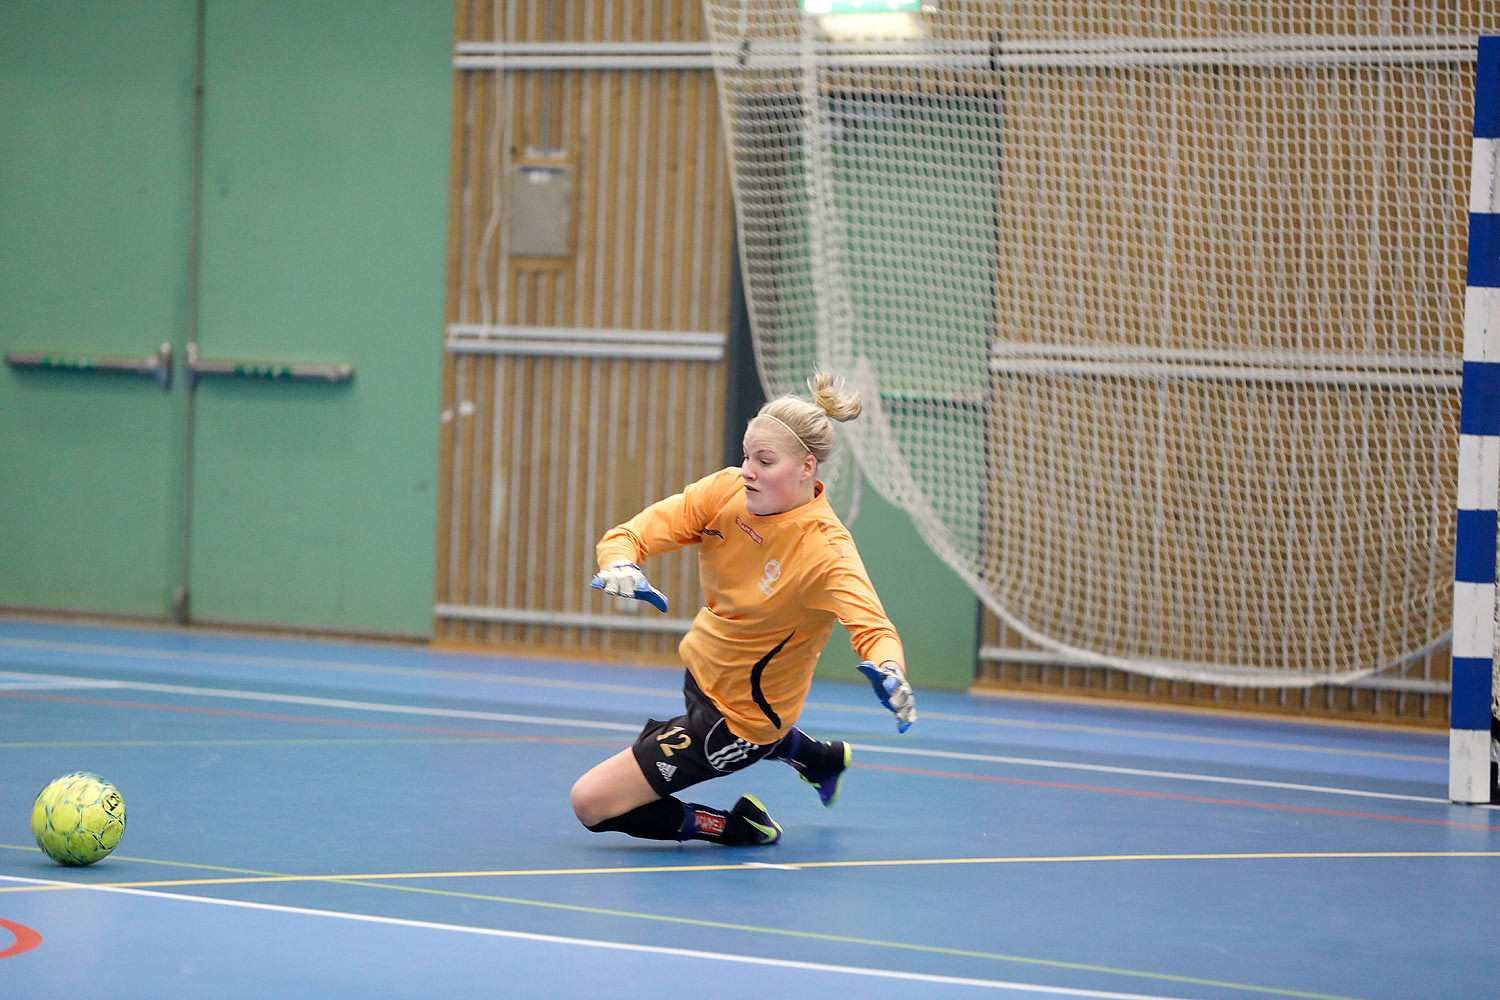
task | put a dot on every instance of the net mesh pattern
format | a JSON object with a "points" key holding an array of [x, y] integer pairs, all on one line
{"points": [[1157, 314]]}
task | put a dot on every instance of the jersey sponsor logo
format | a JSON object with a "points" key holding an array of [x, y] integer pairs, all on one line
{"points": [[749, 531], [667, 770], [769, 576], [708, 822]]}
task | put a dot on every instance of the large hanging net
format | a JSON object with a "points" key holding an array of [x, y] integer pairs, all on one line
{"points": [[1156, 312]]}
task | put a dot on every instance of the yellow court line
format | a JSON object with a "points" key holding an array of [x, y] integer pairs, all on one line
{"points": [[150, 861], [384, 881], [845, 939], [246, 876], [755, 929]]}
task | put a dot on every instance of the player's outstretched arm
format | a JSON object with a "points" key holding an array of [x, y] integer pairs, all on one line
{"points": [[893, 691], [626, 581]]}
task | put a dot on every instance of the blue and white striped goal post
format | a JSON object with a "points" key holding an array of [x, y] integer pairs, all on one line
{"points": [[1471, 713]]}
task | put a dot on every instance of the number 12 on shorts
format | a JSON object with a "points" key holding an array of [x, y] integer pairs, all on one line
{"points": [[683, 740]]}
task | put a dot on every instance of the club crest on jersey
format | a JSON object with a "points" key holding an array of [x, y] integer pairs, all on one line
{"points": [[771, 574], [749, 531]]}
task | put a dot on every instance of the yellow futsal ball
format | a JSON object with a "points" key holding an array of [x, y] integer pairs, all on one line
{"points": [[78, 819]]}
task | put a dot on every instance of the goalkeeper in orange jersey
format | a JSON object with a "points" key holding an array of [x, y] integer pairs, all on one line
{"points": [[777, 569]]}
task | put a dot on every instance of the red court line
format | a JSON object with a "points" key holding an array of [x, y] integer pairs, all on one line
{"points": [[445, 731], [26, 938], [1171, 795]]}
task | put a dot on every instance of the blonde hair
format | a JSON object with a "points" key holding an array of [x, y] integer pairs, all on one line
{"points": [[811, 423]]}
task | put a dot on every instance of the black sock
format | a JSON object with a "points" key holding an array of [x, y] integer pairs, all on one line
{"points": [[672, 819], [662, 819], [808, 755]]}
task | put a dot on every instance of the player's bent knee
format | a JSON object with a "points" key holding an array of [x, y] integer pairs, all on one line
{"points": [[588, 804]]}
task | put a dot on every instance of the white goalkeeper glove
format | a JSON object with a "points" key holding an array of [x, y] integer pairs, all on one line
{"points": [[625, 581], [893, 691]]}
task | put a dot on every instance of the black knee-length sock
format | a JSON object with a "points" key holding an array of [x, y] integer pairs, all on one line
{"points": [[671, 818]]}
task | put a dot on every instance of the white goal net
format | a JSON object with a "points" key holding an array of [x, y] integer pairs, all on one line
{"points": [[1156, 308]]}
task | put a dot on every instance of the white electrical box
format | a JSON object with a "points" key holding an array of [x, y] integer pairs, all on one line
{"points": [[541, 217]]}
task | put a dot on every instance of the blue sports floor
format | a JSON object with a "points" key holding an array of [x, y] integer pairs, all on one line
{"points": [[326, 819]]}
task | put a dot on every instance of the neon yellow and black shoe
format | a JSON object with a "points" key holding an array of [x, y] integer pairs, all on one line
{"points": [[759, 829], [828, 784]]}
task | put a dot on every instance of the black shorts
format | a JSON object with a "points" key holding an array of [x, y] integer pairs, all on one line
{"points": [[693, 747]]}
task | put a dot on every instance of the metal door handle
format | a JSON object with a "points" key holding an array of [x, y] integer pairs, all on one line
{"points": [[158, 367], [196, 367]]}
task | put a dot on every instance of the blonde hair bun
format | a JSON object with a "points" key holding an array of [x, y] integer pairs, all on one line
{"points": [[811, 423], [828, 393]]}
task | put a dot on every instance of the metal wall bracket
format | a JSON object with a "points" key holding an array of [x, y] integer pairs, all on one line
{"points": [[196, 367], [158, 367]]}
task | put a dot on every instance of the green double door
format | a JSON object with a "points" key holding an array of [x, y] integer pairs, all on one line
{"points": [[320, 209]]}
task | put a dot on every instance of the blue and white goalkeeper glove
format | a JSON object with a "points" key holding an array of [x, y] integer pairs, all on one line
{"points": [[626, 581], [894, 693]]}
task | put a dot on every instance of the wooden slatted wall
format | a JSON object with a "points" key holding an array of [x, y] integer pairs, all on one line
{"points": [[542, 449]]}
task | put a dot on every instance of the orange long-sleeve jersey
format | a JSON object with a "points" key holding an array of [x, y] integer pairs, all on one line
{"points": [[773, 586]]}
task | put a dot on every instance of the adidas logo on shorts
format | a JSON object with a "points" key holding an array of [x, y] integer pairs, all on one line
{"points": [[667, 770], [730, 754]]}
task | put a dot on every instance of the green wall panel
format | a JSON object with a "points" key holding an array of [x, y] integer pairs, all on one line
{"points": [[324, 215], [323, 205], [95, 121]]}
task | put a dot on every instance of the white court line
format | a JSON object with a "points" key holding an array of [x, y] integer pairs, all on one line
{"points": [[711, 956], [335, 666], [357, 706], [1142, 773], [419, 710], [248, 659], [44, 682]]}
